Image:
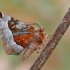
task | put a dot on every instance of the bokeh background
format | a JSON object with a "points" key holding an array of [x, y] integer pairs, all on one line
{"points": [[48, 14]]}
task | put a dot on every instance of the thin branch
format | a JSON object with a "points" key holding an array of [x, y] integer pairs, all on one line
{"points": [[52, 42]]}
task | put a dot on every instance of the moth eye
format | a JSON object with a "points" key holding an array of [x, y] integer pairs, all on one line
{"points": [[0, 15]]}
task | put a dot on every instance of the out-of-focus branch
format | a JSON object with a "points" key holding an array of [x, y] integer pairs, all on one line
{"points": [[52, 42]]}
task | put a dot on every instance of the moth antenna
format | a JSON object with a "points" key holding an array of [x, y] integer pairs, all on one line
{"points": [[33, 23]]}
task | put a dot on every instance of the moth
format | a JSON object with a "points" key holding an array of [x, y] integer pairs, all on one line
{"points": [[18, 36]]}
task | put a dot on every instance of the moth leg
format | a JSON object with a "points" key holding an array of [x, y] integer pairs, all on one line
{"points": [[47, 36], [38, 50], [33, 23]]}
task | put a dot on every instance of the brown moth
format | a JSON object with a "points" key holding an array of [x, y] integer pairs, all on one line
{"points": [[18, 36]]}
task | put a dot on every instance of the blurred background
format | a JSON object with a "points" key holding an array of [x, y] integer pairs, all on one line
{"points": [[48, 14]]}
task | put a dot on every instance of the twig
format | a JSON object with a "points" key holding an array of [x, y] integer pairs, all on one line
{"points": [[52, 43]]}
